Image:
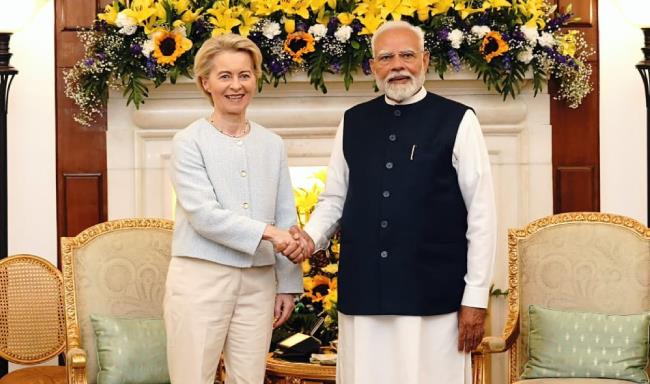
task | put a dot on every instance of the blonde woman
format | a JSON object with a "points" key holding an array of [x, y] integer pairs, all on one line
{"points": [[228, 282]]}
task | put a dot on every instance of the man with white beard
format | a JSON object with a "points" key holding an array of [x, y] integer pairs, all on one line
{"points": [[409, 184]]}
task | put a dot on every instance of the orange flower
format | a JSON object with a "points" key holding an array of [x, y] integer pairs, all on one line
{"points": [[318, 287], [168, 46], [299, 43], [493, 45]]}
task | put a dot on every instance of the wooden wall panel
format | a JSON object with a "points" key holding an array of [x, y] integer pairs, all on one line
{"points": [[81, 151], [576, 140]]}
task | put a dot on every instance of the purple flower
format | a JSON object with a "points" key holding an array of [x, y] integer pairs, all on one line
{"points": [[301, 26], [136, 49], [507, 62], [454, 59], [279, 67], [150, 67], [332, 25], [365, 66], [199, 27], [335, 67], [100, 25], [89, 62], [101, 56], [357, 26], [443, 34]]}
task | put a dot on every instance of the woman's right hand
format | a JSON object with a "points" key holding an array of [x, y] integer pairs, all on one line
{"points": [[283, 241]]}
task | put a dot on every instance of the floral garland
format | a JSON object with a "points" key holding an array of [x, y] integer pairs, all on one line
{"points": [[135, 41]]}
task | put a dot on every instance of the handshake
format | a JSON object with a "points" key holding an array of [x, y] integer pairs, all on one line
{"points": [[295, 243]]}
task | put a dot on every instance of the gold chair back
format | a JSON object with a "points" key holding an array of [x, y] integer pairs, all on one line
{"points": [[117, 268], [32, 326], [592, 262]]}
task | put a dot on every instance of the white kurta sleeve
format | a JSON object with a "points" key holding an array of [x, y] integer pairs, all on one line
{"points": [[288, 274], [472, 164], [204, 212], [324, 220]]}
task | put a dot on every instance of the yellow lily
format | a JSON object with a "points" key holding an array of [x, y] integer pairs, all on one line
{"points": [[295, 7], [441, 7], [397, 8], [141, 10], [180, 6], [322, 17], [345, 18], [264, 7], [248, 21], [289, 25], [567, 43], [110, 13], [487, 4], [189, 17], [464, 10], [370, 24], [223, 20]]}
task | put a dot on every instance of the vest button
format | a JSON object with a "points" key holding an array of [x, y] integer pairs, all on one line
{"points": [[392, 137], [397, 113], [245, 205], [383, 254], [243, 173], [389, 165], [386, 193], [384, 223]]}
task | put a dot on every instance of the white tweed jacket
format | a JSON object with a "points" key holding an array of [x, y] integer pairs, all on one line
{"points": [[227, 191]]}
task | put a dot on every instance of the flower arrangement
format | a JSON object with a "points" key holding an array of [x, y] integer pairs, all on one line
{"points": [[316, 307], [136, 41]]}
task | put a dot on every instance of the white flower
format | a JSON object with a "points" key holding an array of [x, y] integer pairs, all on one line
{"points": [[531, 34], [271, 29], [525, 56], [127, 24], [318, 31], [480, 30], [148, 47], [546, 40], [343, 33], [456, 38]]}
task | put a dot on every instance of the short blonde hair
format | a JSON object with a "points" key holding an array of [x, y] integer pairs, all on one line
{"points": [[220, 44]]}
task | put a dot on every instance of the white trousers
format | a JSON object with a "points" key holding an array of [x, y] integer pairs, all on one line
{"points": [[401, 350], [210, 308]]}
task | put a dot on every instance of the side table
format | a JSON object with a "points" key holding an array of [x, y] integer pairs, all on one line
{"points": [[280, 371]]}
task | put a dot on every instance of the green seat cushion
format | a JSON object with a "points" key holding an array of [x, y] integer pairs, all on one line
{"points": [[130, 351], [587, 345]]}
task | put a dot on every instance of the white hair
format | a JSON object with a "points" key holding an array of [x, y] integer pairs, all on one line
{"points": [[398, 24]]}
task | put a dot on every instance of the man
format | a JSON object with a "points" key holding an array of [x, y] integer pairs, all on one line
{"points": [[409, 184]]}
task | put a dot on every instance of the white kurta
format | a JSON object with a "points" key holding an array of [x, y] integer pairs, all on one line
{"points": [[416, 349]]}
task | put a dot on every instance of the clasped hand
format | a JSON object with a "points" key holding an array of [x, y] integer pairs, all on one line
{"points": [[295, 244]]}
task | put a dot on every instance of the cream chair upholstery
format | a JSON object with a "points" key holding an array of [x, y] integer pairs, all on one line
{"points": [[32, 327], [593, 262], [116, 268]]}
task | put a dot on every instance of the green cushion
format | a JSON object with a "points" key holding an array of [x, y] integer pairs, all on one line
{"points": [[130, 351], [587, 345]]}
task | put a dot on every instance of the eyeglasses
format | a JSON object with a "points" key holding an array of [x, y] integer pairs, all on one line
{"points": [[406, 57]]}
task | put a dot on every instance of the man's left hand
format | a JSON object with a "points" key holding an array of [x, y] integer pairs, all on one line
{"points": [[284, 305], [470, 328]]}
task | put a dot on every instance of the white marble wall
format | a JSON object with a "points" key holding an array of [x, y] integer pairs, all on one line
{"points": [[517, 133]]}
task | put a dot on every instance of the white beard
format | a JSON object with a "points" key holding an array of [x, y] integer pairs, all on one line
{"points": [[401, 92]]}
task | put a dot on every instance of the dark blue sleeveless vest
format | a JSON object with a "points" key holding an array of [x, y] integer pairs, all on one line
{"points": [[403, 245]]}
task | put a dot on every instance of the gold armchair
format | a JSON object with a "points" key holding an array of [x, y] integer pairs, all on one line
{"points": [[31, 318], [116, 268], [593, 262]]}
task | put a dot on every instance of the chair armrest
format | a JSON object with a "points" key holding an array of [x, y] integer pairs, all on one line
{"points": [[75, 361], [492, 344]]}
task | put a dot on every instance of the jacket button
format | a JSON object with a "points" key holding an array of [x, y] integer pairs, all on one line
{"points": [[397, 113], [389, 165], [384, 223], [243, 173], [240, 143], [383, 254], [245, 205], [386, 193], [392, 137]]}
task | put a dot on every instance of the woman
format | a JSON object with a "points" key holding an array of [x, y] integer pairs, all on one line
{"points": [[227, 280]]}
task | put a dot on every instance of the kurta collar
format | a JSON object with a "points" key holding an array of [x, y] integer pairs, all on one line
{"points": [[421, 94]]}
